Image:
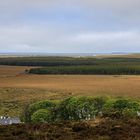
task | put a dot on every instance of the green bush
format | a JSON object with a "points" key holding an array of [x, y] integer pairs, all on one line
{"points": [[42, 115], [121, 108], [37, 106], [129, 113], [121, 104], [108, 109], [77, 108], [99, 103]]}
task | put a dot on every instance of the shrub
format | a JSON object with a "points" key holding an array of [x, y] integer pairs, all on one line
{"points": [[37, 106], [108, 108], [121, 104], [99, 103], [129, 113], [42, 115], [121, 108], [77, 108]]}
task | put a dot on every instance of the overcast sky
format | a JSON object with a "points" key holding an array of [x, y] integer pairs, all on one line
{"points": [[70, 26]]}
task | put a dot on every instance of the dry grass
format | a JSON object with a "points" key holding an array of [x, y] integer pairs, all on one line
{"points": [[14, 77], [17, 88]]}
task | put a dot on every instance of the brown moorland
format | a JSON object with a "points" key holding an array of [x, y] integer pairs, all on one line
{"points": [[14, 77], [18, 88]]}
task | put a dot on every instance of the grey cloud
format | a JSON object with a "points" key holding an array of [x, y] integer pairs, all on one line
{"points": [[31, 39], [57, 38], [123, 6], [125, 10]]}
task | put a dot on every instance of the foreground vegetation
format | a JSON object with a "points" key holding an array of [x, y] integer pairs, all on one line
{"points": [[106, 129], [84, 118]]}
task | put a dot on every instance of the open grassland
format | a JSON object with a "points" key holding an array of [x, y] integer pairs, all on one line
{"points": [[14, 77], [18, 89]]}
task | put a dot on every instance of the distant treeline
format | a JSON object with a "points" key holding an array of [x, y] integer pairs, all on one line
{"points": [[67, 61], [76, 65], [102, 70]]}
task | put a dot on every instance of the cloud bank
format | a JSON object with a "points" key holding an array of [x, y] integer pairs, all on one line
{"points": [[69, 26]]}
